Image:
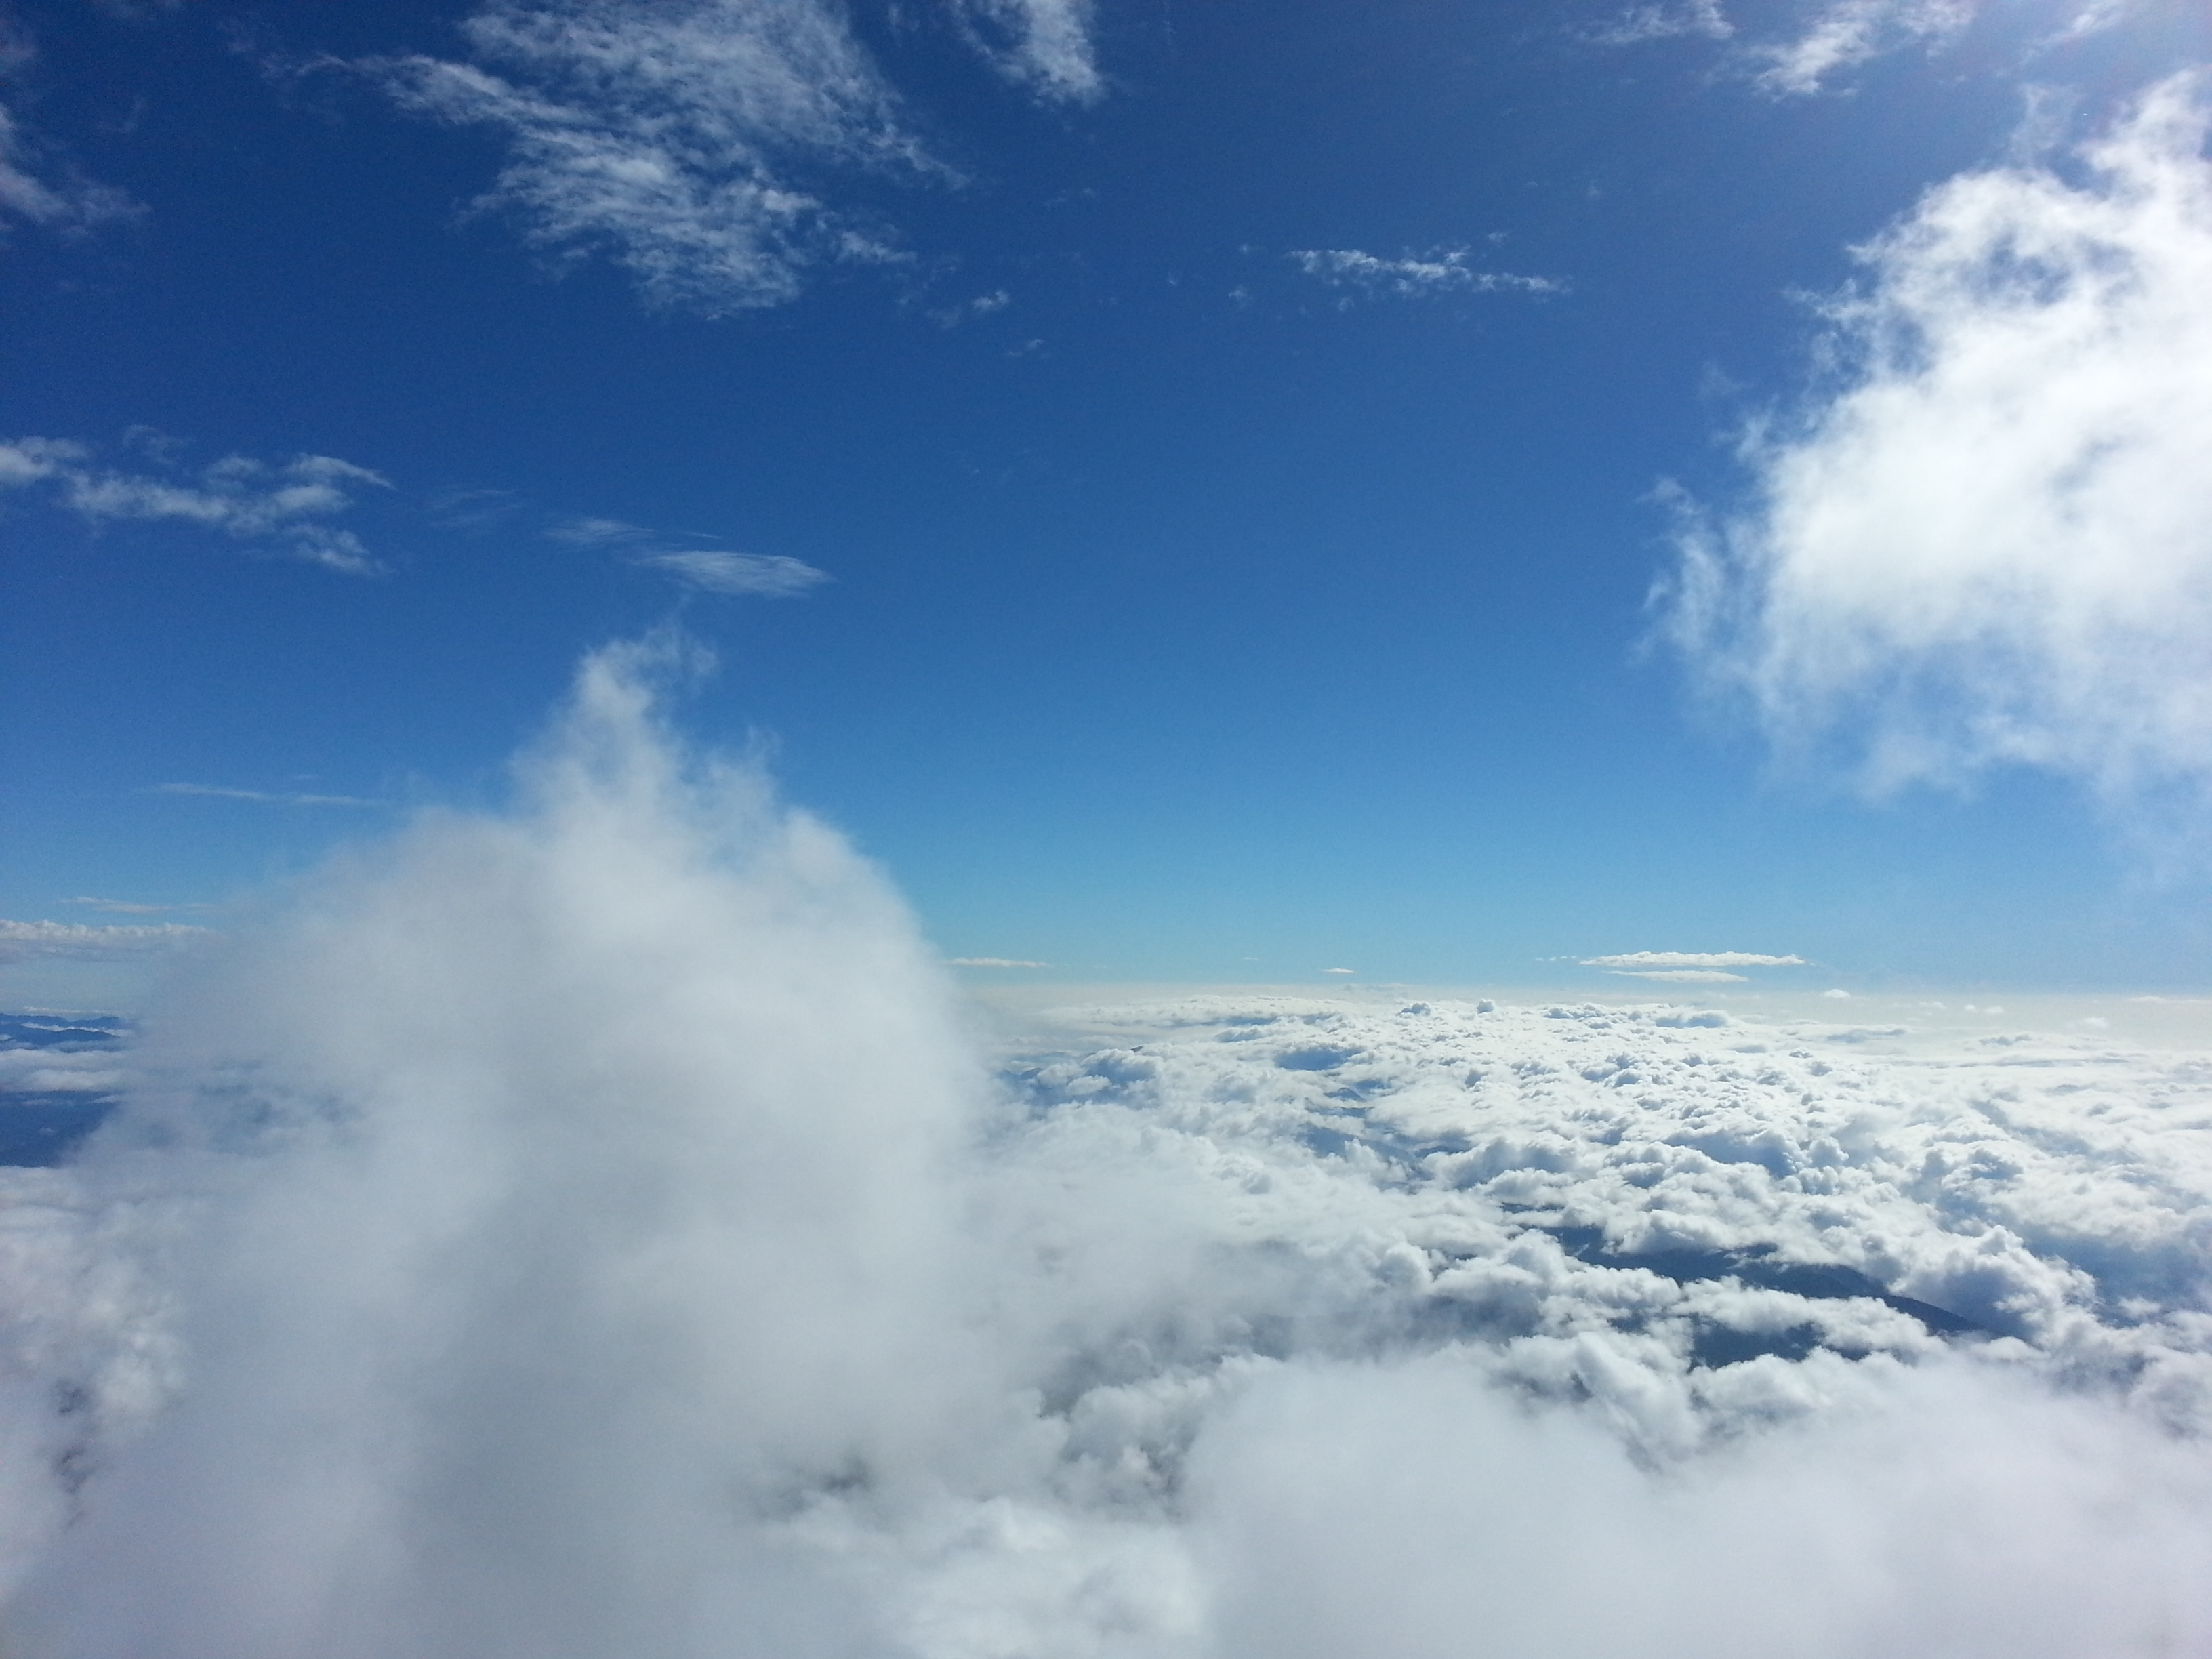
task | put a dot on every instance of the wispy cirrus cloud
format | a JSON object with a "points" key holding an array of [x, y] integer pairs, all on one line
{"points": [[275, 507], [713, 148], [1662, 22], [1044, 45], [597, 533], [1440, 271], [265, 796], [1985, 543], [38, 184], [28, 941], [1849, 33], [993, 962], [708, 570], [698, 143], [756, 575], [1827, 42]]}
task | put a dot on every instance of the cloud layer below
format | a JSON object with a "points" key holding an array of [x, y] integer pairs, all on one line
{"points": [[585, 1232], [1989, 542]]}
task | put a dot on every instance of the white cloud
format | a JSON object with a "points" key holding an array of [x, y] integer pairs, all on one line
{"points": [[760, 575], [597, 533], [37, 184], [702, 143], [272, 798], [993, 962], [674, 136], [28, 941], [1842, 35], [1691, 959], [1660, 22], [1987, 543], [1682, 976], [1045, 45], [1442, 270], [1339, 970], [1849, 33], [279, 506], [586, 1230]]}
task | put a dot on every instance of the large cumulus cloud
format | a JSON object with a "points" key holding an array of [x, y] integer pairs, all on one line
{"points": [[1989, 542]]}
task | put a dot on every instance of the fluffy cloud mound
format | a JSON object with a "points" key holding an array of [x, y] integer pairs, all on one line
{"points": [[1991, 543], [586, 1232]]}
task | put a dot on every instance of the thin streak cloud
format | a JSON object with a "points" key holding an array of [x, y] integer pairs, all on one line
{"points": [[1442, 270], [265, 797], [749, 575], [1640, 959]]}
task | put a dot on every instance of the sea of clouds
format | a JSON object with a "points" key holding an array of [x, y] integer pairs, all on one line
{"points": [[599, 1229]]}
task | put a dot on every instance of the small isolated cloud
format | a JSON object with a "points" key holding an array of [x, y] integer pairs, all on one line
{"points": [[1643, 959], [1442, 270], [1339, 970], [28, 941], [1640, 23], [1851, 31], [993, 962], [597, 533], [1681, 976], [473, 509], [266, 797], [1987, 542], [757, 576], [1045, 46], [274, 506], [981, 305], [1840, 995], [39, 185]]}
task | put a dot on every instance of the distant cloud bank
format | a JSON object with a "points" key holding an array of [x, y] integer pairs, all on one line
{"points": [[28, 941]]}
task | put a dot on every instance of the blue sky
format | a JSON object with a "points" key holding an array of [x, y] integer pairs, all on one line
{"points": [[1240, 445]]}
